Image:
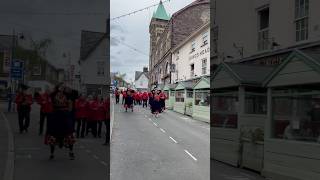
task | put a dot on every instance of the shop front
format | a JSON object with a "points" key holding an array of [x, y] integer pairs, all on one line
{"points": [[170, 93], [239, 114], [292, 140], [184, 98], [201, 102]]}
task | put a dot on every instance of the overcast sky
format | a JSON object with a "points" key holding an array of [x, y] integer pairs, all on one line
{"points": [[133, 30], [59, 20]]}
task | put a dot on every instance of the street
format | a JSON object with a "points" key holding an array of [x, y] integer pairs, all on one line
{"points": [[32, 162], [172, 146]]}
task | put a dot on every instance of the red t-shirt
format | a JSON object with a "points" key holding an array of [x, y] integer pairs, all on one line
{"points": [[81, 106]]}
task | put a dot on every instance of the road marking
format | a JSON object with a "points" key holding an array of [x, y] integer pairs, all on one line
{"points": [[190, 155], [155, 124], [162, 130], [96, 157], [173, 140], [104, 163]]}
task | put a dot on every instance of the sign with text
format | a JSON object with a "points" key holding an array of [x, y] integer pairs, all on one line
{"points": [[200, 54], [17, 69]]}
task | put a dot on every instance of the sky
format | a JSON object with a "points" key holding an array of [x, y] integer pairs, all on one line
{"points": [[133, 31], [59, 20]]}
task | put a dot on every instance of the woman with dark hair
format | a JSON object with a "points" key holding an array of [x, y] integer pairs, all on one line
{"points": [[60, 126]]}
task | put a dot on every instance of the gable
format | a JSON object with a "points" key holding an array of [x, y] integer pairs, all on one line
{"points": [[202, 84], [223, 79], [179, 87], [298, 68]]}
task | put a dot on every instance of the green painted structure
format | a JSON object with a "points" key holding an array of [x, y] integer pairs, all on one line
{"points": [[170, 91], [185, 107], [161, 13], [201, 112]]}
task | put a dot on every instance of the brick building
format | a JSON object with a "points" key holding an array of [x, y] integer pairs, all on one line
{"points": [[167, 32]]}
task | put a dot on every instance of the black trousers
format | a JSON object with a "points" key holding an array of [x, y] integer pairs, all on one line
{"points": [[24, 118], [145, 103], [81, 127], [99, 124], [117, 99]]}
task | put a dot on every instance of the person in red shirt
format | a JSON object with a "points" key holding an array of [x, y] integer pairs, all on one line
{"points": [[101, 114], [46, 110], [124, 95], [145, 99], [81, 107], [24, 102], [163, 98], [92, 120]]}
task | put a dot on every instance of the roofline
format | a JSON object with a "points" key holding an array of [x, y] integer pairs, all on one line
{"points": [[202, 78], [192, 35], [95, 46]]}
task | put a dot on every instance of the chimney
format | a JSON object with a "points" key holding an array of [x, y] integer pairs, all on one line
{"points": [[145, 69]]}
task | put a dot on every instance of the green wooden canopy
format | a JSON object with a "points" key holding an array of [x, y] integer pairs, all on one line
{"points": [[203, 83]]}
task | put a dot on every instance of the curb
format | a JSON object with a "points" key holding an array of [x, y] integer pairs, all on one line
{"points": [[9, 169]]}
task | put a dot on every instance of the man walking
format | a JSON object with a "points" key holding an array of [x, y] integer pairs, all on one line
{"points": [[24, 102]]}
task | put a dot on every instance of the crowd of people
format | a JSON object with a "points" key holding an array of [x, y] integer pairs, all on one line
{"points": [[155, 99], [69, 115]]}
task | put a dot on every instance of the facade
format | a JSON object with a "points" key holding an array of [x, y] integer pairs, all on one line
{"points": [[93, 65], [166, 33], [259, 26], [191, 58], [141, 80]]}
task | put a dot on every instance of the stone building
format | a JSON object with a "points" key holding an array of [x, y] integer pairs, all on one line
{"points": [[167, 32]]}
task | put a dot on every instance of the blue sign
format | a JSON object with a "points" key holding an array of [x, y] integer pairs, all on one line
{"points": [[115, 82], [17, 69]]}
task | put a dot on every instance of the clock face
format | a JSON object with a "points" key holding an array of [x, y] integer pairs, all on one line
{"points": [[205, 16]]}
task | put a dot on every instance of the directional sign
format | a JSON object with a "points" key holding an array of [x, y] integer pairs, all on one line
{"points": [[17, 69]]}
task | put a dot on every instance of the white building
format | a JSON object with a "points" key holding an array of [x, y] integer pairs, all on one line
{"points": [[249, 28], [191, 58], [141, 80], [93, 63]]}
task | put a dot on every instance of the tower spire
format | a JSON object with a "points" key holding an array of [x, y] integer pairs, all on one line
{"points": [[161, 12]]}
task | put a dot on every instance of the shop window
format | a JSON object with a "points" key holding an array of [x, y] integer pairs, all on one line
{"points": [[296, 117], [225, 111], [189, 94], [179, 96], [202, 98], [255, 103]]}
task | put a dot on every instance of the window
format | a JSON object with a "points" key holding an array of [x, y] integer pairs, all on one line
{"points": [[193, 46], [255, 103], [225, 107], [263, 29], [301, 19], [296, 117], [202, 98], [204, 66], [189, 94], [192, 70], [172, 93], [180, 96], [205, 39], [100, 68]]}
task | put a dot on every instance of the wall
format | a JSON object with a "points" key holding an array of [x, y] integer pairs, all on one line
{"points": [[182, 58], [89, 66]]}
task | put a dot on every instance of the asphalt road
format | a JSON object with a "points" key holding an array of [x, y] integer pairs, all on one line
{"points": [[170, 147], [32, 156]]}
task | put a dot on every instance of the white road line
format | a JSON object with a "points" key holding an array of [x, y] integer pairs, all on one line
{"points": [[162, 130], [104, 163], [173, 140], [155, 124], [190, 155], [96, 157]]}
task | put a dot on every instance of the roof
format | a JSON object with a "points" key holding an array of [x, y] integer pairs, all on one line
{"points": [[6, 42], [308, 56], [161, 12], [89, 41], [248, 74], [199, 83], [137, 75], [186, 84], [197, 2]]}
